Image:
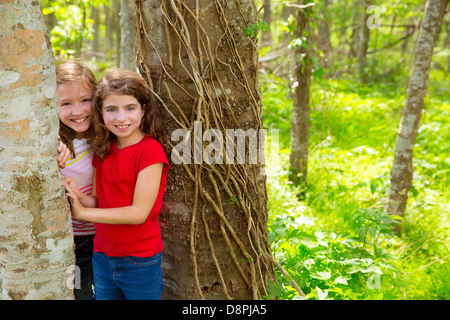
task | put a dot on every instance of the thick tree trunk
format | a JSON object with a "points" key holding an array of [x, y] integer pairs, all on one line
{"points": [[402, 168], [300, 122], [204, 70], [36, 241], [127, 35]]}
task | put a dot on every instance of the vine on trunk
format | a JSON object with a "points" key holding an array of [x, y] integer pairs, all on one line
{"points": [[234, 179]]}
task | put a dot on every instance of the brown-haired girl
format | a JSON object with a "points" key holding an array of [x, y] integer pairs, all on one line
{"points": [[75, 86], [130, 180]]}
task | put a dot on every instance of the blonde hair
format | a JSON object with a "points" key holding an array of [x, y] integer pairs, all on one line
{"points": [[71, 70]]}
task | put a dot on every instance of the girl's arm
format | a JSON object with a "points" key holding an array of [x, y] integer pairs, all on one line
{"points": [[145, 193], [84, 199]]}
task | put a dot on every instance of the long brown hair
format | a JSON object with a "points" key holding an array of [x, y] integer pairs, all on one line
{"points": [[124, 82], [71, 70]]}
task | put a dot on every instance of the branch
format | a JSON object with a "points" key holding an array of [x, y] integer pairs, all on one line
{"points": [[299, 6]]}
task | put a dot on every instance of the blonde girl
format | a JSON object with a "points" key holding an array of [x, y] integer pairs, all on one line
{"points": [[75, 89]]}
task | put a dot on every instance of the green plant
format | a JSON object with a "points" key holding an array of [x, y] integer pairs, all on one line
{"points": [[73, 25], [335, 241], [253, 28]]}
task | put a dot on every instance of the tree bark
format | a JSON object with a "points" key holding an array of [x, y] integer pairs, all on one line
{"points": [[300, 122], [324, 26], [127, 35], [267, 17], [364, 36], [96, 17], [36, 240], [204, 70], [402, 168], [116, 25], [108, 26], [354, 41], [285, 14]]}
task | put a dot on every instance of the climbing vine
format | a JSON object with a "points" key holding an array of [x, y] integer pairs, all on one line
{"points": [[214, 183]]}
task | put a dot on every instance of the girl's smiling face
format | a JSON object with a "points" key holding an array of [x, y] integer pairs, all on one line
{"points": [[75, 111], [122, 115]]}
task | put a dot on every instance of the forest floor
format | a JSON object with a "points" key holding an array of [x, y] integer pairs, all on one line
{"points": [[331, 234]]}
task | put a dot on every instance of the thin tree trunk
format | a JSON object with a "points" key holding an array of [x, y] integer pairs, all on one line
{"points": [[36, 240], [447, 39], [300, 121], [127, 35], [285, 13], [117, 27], [356, 18], [402, 168], [364, 36], [108, 26], [324, 26], [96, 17], [267, 17], [80, 39], [204, 70]]}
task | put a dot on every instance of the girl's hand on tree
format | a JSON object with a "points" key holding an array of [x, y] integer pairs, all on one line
{"points": [[73, 186], [64, 154], [76, 207]]}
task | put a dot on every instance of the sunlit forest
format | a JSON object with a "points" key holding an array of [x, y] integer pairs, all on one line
{"points": [[347, 65]]}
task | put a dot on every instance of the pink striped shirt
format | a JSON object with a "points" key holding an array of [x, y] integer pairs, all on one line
{"points": [[81, 170]]}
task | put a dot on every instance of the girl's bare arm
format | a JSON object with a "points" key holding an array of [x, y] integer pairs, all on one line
{"points": [[145, 193]]}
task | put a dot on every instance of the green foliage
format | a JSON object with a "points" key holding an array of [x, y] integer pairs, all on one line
{"points": [[73, 25], [253, 28], [326, 264], [332, 235]]}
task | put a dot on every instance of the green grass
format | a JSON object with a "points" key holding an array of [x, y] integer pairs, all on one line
{"points": [[331, 235]]}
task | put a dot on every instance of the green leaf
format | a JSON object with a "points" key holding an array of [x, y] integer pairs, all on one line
{"points": [[342, 280], [320, 295], [318, 73], [321, 275]]}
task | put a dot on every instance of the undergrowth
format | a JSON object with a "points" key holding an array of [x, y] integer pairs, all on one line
{"points": [[331, 235]]}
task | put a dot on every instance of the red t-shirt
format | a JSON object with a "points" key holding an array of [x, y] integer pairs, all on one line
{"points": [[115, 179]]}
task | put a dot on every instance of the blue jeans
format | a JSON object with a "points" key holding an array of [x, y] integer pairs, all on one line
{"points": [[127, 278]]}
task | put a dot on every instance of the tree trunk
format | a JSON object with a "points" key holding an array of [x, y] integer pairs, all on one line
{"points": [[324, 26], [127, 35], [96, 17], [108, 26], [447, 40], [36, 240], [364, 35], [354, 41], [402, 168], [267, 17], [204, 71], [117, 27], [285, 14], [300, 111]]}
